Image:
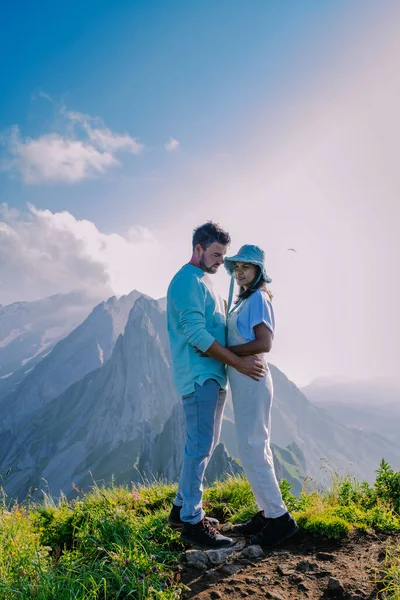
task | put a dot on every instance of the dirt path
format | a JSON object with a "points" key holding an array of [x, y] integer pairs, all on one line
{"points": [[304, 567]]}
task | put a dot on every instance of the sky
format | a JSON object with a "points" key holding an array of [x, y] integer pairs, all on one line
{"points": [[124, 125]]}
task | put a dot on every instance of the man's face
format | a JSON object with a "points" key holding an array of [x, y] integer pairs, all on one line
{"points": [[211, 258]]}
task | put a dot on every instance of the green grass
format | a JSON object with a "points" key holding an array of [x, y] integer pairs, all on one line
{"points": [[389, 575], [114, 543]]}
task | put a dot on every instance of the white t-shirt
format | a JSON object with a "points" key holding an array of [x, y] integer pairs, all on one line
{"points": [[257, 309]]}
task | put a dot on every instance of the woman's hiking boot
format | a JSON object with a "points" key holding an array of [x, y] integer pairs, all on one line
{"points": [[276, 531], [204, 535], [251, 527], [175, 522]]}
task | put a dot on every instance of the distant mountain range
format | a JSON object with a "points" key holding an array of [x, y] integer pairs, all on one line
{"points": [[86, 348], [102, 403], [372, 405], [30, 330]]}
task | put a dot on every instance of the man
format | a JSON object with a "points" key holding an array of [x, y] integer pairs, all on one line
{"points": [[197, 334]]}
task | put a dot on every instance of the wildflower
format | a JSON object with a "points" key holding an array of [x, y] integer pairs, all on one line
{"points": [[127, 561], [153, 557], [164, 585], [154, 568], [125, 579]]}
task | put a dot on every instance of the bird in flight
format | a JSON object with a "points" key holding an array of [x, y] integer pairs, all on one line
{"points": [[291, 250]]}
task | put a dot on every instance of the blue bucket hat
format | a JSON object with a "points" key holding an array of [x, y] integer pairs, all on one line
{"points": [[247, 254]]}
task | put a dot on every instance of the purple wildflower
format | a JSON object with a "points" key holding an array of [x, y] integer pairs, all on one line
{"points": [[154, 568], [125, 579], [127, 561]]}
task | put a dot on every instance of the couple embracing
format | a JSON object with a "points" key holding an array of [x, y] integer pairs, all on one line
{"points": [[209, 345]]}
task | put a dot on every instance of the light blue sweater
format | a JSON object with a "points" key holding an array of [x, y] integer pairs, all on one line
{"points": [[196, 317]]}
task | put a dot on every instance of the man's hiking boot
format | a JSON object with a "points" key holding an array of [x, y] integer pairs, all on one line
{"points": [[175, 522], [276, 531], [251, 527], [204, 535]]}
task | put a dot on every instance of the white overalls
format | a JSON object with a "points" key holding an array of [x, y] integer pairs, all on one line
{"points": [[252, 401]]}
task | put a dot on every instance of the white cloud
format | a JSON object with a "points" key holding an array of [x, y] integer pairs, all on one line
{"points": [[172, 144], [54, 157], [104, 138], [68, 157], [43, 253]]}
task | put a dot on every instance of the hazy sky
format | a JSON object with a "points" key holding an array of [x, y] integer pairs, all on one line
{"points": [[124, 125]]}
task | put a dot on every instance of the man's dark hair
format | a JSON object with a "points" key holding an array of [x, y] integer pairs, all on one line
{"points": [[209, 233]]}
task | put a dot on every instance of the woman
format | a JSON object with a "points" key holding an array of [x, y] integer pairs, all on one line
{"points": [[250, 325]]}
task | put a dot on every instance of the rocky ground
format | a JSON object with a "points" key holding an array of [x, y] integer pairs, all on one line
{"points": [[303, 567]]}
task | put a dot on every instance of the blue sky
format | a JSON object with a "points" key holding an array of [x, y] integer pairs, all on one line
{"points": [[192, 70], [125, 124]]}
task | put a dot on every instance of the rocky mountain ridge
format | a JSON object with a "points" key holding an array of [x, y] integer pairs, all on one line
{"points": [[86, 348], [30, 330], [79, 415]]}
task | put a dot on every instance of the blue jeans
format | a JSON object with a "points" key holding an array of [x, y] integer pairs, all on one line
{"points": [[203, 415]]}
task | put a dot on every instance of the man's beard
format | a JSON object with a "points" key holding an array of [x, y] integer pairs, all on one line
{"points": [[213, 269]]}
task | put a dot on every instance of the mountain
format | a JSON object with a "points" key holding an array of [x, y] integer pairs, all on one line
{"points": [[372, 405], [162, 455], [29, 331], [86, 348], [366, 393], [290, 464], [318, 435], [123, 418], [97, 424]]}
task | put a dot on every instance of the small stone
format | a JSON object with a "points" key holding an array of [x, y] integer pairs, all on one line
{"points": [[197, 559], [305, 565], [284, 572], [273, 596], [361, 593], [321, 574], [216, 557], [230, 569], [335, 584], [325, 556], [295, 579], [250, 581], [302, 588], [226, 527], [252, 551], [214, 595]]}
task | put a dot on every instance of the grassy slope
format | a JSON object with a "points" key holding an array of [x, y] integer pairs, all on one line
{"points": [[113, 542]]}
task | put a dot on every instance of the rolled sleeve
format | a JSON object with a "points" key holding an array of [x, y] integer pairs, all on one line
{"points": [[261, 311], [189, 304]]}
